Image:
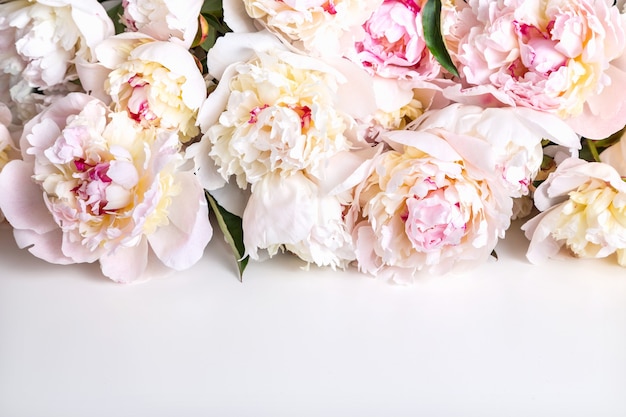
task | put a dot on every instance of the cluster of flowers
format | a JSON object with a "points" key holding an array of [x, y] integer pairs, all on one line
{"points": [[331, 129]]}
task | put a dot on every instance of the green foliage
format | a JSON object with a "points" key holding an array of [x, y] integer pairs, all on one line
{"points": [[115, 13], [214, 16], [431, 21], [232, 228]]}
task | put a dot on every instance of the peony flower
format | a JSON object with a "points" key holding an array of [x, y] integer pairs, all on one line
{"points": [[280, 125], [277, 112], [93, 185], [426, 207], [583, 208], [278, 118], [515, 135], [319, 27], [394, 45], [157, 83], [163, 19], [41, 41], [553, 56]]}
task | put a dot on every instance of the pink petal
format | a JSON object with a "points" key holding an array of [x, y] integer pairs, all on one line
{"points": [[46, 246], [181, 244], [126, 265], [21, 200]]}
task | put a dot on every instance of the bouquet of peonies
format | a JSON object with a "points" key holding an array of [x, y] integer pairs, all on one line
{"points": [[397, 137]]}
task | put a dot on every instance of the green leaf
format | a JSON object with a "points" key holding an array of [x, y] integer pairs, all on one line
{"points": [[431, 22], [115, 13], [231, 227], [212, 7], [216, 22]]}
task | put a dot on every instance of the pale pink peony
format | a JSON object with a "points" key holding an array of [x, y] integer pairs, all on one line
{"points": [[93, 185], [583, 208], [552, 56], [394, 45], [164, 20], [427, 208]]}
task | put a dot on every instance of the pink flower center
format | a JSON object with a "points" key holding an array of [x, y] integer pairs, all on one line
{"points": [[329, 7], [254, 113], [93, 182], [538, 53], [304, 112], [138, 104], [305, 115], [433, 222], [393, 44]]}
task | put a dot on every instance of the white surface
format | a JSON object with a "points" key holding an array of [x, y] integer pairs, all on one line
{"points": [[509, 339]]}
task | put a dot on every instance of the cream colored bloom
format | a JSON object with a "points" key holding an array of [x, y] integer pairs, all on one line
{"points": [[278, 118], [280, 125], [583, 208], [157, 83]]}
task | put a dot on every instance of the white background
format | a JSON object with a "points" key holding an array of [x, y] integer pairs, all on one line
{"points": [[508, 339]]}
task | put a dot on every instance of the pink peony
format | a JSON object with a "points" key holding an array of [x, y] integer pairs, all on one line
{"points": [[426, 207], [394, 45], [557, 57], [93, 185]]}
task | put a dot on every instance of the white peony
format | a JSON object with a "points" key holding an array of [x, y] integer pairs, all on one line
{"points": [[41, 42], [280, 125], [515, 135], [164, 19]]}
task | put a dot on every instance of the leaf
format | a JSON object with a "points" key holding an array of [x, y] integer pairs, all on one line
{"points": [[212, 6], [231, 227], [115, 13], [431, 22]]}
